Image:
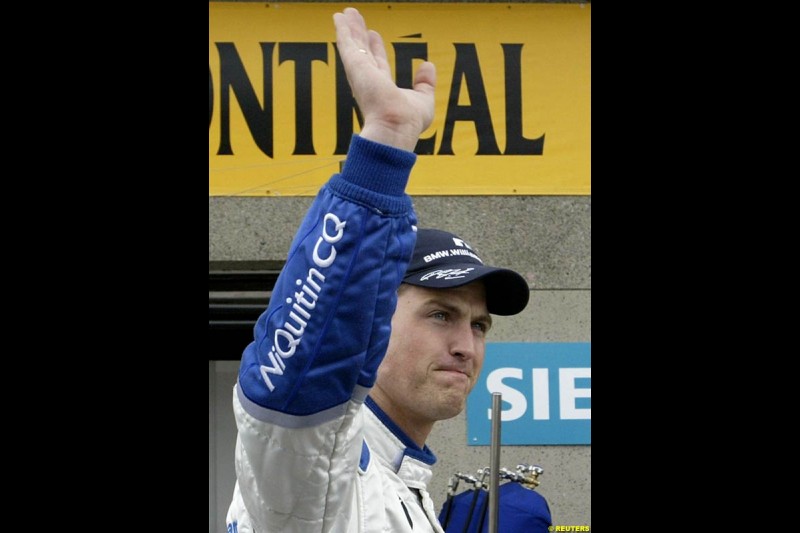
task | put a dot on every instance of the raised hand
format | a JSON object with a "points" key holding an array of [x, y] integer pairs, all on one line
{"points": [[392, 115]]}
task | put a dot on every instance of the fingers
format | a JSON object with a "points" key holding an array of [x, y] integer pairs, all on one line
{"points": [[378, 51], [351, 31], [352, 35], [425, 78]]}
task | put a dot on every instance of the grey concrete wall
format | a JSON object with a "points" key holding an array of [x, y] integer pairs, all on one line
{"points": [[546, 238]]}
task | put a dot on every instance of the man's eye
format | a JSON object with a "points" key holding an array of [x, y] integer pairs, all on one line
{"points": [[439, 315], [480, 325]]}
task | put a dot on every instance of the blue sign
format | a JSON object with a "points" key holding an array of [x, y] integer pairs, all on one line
{"points": [[546, 390]]}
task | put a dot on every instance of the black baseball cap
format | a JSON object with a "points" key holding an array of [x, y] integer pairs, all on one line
{"points": [[442, 260]]}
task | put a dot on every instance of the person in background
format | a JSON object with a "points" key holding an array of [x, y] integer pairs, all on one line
{"points": [[375, 330]]}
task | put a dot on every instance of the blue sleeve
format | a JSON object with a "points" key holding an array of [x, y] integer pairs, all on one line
{"points": [[326, 329]]}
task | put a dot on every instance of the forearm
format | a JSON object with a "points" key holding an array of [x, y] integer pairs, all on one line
{"points": [[328, 320]]}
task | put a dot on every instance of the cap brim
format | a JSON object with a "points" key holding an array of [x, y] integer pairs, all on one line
{"points": [[507, 292]]}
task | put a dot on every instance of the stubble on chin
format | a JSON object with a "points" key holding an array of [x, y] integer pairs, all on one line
{"points": [[448, 404]]}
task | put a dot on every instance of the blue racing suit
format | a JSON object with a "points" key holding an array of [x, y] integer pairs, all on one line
{"points": [[313, 452]]}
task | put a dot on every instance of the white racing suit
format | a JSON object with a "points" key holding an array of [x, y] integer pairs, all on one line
{"points": [[313, 452]]}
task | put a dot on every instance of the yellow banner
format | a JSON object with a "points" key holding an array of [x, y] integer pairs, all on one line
{"points": [[513, 105]]}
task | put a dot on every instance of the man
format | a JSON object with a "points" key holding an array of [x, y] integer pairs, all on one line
{"points": [[328, 440]]}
